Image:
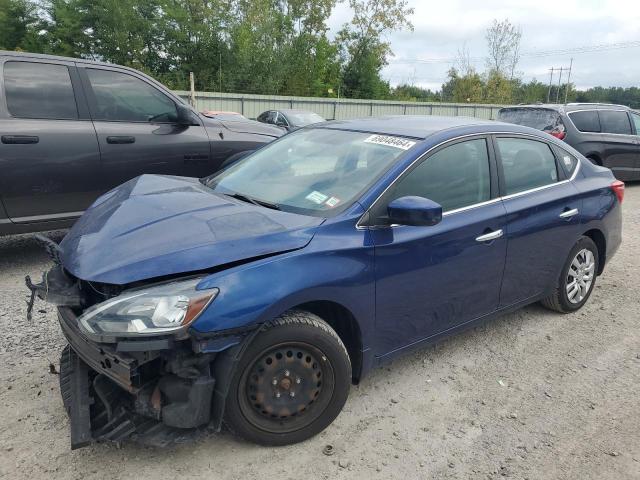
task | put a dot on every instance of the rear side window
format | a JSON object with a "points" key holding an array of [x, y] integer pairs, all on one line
{"points": [[613, 121], [526, 164], [586, 121], [39, 90], [539, 118], [125, 98], [456, 176]]}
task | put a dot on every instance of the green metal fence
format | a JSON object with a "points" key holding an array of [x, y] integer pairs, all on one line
{"points": [[331, 108]]}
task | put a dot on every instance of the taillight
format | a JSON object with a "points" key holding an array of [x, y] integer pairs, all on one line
{"points": [[618, 189], [558, 131]]}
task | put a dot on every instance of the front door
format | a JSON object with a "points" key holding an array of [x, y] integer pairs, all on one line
{"points": [[137, 130], [49, 157], [432, 279], [543, 211]]}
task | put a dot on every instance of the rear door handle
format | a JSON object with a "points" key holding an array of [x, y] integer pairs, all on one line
{"points": [[569, 213], [487, 237], [121, 139], [20, 139]]}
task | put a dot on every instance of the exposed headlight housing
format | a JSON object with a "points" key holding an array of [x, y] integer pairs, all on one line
{"points": [[159, 310]]}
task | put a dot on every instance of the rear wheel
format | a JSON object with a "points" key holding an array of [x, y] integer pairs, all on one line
{"points": [[291, 383], [595, 160], [577, 279]]}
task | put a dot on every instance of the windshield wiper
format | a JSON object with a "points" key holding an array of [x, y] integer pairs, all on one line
{"points": [[254, 201]]}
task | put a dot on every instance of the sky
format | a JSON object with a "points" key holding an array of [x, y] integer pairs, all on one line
{"points": [[441, 28]]}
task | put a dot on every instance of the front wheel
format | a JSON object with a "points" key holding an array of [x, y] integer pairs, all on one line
{"points": [[577, 279], [291, 383]]}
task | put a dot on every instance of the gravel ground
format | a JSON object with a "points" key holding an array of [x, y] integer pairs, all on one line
{"points": [[533, 395]]}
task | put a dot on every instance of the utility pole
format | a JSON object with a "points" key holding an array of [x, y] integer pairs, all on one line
{"points": [[566, 90], [559, 82], [220, 72], [193, 89], [549, 91]]}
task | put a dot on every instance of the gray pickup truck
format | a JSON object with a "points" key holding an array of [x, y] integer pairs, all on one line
{"points": [[73, 129]]}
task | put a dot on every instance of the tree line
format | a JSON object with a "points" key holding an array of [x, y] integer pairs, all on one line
{"points": [[273, 47], [254, 46]]}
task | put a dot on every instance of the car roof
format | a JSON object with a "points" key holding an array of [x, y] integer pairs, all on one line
{"points": [[44, 56], [569, 107], [294, 110], [415, 126]]}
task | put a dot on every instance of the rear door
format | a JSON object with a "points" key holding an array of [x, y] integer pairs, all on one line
{"points": [[49, 157], [137, 131], [543, 216], [620, 147]]}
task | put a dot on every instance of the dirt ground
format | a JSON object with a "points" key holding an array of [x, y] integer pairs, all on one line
{"points": [[532, 395]]}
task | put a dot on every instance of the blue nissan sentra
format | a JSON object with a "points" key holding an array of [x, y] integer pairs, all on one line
{"points": [[257, 296]]}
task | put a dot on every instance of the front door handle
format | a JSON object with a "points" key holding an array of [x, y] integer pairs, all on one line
{"points": [[121, 139], [20, 139], [487, 237], [569, 213]]}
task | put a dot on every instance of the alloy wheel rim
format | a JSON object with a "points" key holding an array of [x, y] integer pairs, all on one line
{"points": [[580, 276]]}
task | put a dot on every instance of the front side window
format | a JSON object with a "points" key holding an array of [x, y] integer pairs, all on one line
{"points": [[614, 121], [124, 98], [526, 164], [316, 172], [586, 121], [39, 90], [456, 176]]}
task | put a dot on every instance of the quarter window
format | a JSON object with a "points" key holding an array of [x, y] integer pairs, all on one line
{"points": [[526, 164], [39, 90], [613, 121], [636, 120], [125, 98], [586, 121], [456, 176], [569, 162]]}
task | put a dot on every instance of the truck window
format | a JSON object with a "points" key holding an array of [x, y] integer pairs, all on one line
{"points": [[125, 98], [39, 90]]}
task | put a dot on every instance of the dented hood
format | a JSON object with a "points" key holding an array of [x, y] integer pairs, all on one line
{"points": [[157, 225]]}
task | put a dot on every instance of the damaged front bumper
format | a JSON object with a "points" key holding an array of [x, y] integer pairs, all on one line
{"points": [[112, 394], [149, 388]]}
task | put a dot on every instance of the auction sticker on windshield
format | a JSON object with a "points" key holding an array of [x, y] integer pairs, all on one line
{"points": [[389, 141], [317, 197]]}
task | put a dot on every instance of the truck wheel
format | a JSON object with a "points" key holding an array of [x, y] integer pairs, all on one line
{"points": [[291, 383], [65, 377], [577, 279]]}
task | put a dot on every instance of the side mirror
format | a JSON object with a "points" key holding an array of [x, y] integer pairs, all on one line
{"points": [[185, 116], [414, 211]]}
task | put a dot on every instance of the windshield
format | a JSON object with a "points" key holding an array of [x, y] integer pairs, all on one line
{"points": [[316, 172], [301, 119], [539, 118]]}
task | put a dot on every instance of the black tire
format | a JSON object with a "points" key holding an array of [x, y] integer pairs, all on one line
{"points": [[65, 377], [559, 301], [291, 382], [595, 160]]}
